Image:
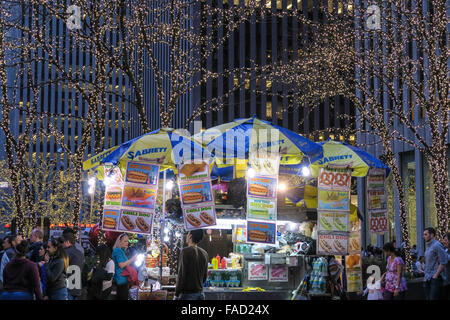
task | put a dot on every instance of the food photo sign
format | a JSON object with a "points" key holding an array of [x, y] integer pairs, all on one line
{"points": [[334, 200], [335, 179], [199, 217], [142, 173], [332, 243], [110, 218], [192, 171], [113, 195], [136, 197], [278, 273], [333, 221], [265, 187], [257, 271], [196, 193], [136, 221], [264, 209], [261, 232]]}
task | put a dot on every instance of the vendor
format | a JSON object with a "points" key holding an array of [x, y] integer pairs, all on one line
{"points": [[193, 269], [121, 262]]}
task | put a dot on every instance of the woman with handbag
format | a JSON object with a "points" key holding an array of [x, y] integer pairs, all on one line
{"points": [[393, 279], [121, 262]]}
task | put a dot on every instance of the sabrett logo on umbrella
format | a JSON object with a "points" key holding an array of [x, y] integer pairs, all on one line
{"points": [[132, 155], [329, 159]]}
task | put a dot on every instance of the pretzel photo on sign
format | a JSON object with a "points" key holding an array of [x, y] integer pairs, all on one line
{"points": [[326, 179]]}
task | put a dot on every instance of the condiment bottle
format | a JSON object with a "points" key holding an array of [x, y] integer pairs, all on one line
{"points": [[215, 263], [223, 264]]}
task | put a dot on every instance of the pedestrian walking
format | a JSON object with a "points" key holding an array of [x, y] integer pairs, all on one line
{"points": [[395, 283], [21, 277], [435, 261], [55, 265], [100, 283], [446, 243], [76, 263], [193, 269], [36, 238], [121, 262]]}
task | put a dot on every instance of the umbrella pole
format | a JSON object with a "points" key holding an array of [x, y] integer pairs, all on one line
{"points": [[163, 220]]}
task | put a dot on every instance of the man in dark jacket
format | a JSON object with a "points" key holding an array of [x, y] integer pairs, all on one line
{"points": [[36, 243], [193, 269], [76, 262]]}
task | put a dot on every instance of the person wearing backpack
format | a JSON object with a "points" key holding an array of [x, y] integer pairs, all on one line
{"points": [[100, 283]]}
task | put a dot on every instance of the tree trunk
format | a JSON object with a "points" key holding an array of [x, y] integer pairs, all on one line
{"points": [[439, 173]]}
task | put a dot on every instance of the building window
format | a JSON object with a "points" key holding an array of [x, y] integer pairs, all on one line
{"points": [[409, 185]]}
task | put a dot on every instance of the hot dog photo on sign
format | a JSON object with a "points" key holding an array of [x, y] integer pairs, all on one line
{"points": [[196, 193], [142, 173], [199, 217], [262, 187], [136, 221], [261, 232]]}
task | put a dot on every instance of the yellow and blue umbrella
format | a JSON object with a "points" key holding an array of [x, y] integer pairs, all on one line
{"points": [[230, 143], [342, 154], [166, 147]]}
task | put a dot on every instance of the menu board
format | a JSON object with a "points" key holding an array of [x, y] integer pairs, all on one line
{"points": [[142, 173], [196, 193], [261, 232], [259, 186], [337, 179], [377, 201], [199, 217], [333, 221], [334, 200], [332, 243], [136, 221], [137, 197], [130, 200], [257, 271], [264, 209], [278, 273]]}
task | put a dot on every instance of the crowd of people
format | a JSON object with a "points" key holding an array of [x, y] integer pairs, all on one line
{"points": [[434, 267], [31, 269]]}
